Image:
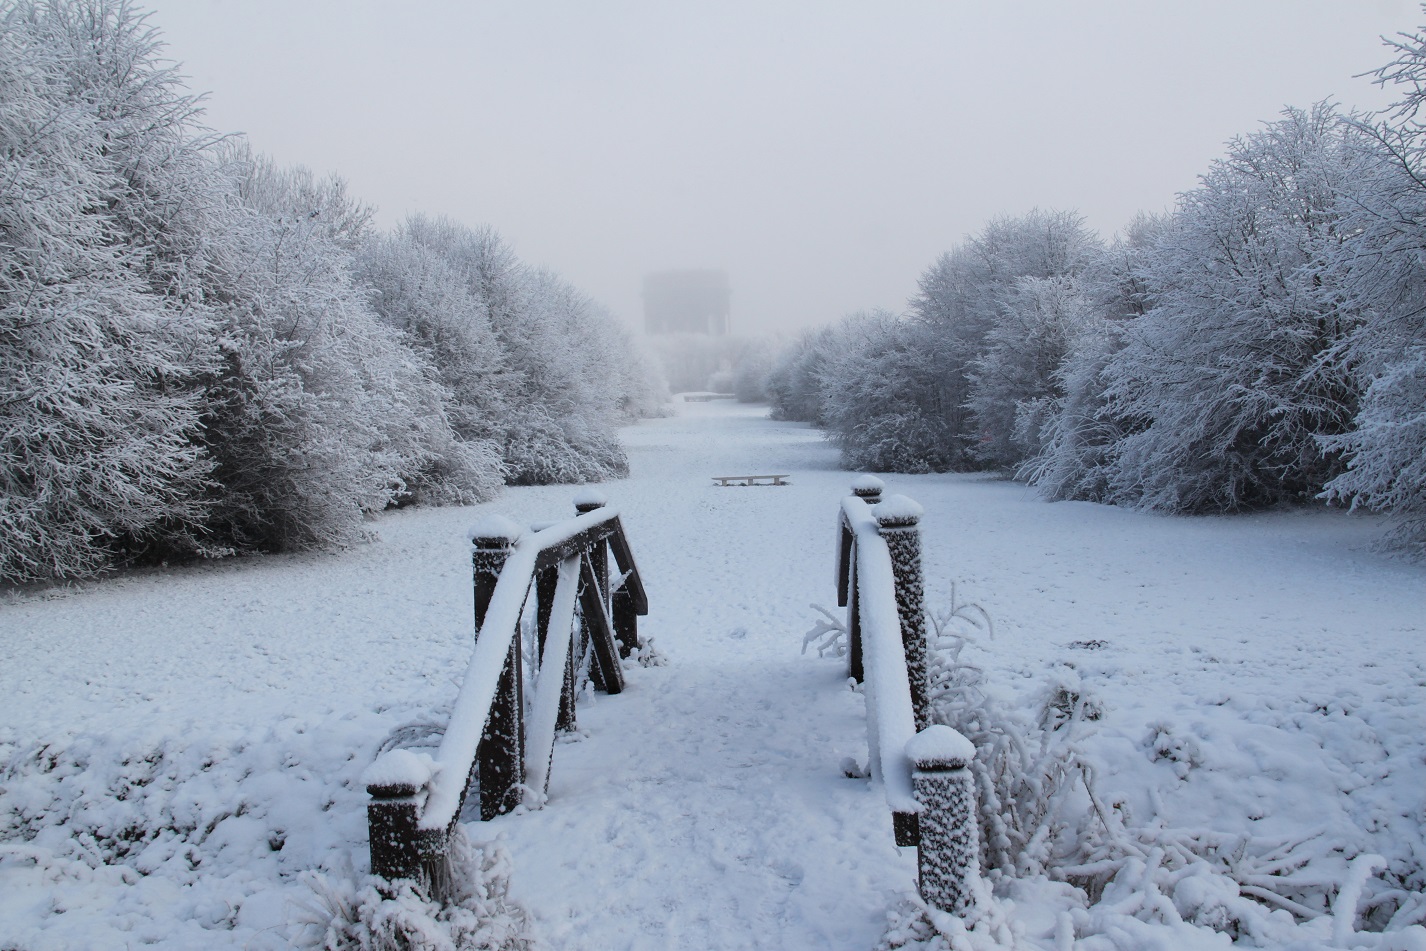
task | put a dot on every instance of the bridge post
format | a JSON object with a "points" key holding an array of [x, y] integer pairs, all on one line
{"points": [[500, 756], [391, 818], [948, 852], [899, 518]]}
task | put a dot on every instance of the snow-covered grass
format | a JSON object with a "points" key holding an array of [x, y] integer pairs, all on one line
{"points": [[180, 750]]}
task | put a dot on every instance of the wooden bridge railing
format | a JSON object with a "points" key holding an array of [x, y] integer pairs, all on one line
{"points": [[924, 768], [488, 745]]}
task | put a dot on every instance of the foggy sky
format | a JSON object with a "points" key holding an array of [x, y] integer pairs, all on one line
{"points": [[823, 153]]}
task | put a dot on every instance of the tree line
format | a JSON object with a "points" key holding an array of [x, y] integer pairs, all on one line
{"points": [[1263, 342], [203, 353]]}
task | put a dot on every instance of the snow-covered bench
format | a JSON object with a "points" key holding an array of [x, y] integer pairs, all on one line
{"points": [[752, 479]]}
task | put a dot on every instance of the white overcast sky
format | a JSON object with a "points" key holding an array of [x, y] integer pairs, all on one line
{"points": [[823, 153]]}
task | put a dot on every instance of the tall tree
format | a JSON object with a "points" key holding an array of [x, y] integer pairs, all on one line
{"points": [[1234, 375], [1384, 273], [1015, 380], [881, 388], [319, 415], [99, 418], [963, 298], [1074, 433]]}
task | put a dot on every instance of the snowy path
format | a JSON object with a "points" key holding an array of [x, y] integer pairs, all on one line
{"points": [[706, 807]]}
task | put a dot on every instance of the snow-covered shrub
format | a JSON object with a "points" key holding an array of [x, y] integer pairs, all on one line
{"points": [[643, 391], [750, 375], [417, 292], [794, 383], [1052, 834], [1018, 373], [566, 376], [963, 298], [828, 636], [540, 451], [379, 915], [1386, 452], [1032, 785], [1073, 435]]}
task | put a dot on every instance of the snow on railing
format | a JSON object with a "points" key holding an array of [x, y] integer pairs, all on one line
{"points": [[923, 768], [416, 798]]}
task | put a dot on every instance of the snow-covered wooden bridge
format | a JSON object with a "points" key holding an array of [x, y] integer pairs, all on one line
{"points": [[533, 588], [708, 803]]}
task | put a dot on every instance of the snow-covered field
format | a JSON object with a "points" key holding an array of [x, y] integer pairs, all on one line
{"points": [[180, 750]]}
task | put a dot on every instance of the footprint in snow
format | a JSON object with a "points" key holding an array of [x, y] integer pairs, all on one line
{"points": [[791, 871]]}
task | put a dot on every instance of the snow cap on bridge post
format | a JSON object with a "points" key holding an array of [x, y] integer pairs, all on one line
{"points": [[491, 539], [899, 519], [396, 782], [868, 488], [948, 854], [588, 499]]}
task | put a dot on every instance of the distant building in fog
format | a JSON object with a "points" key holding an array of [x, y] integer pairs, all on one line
{"points": [[686, 302]]}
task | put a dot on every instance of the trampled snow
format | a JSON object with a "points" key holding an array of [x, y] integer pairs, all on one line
{"points": [[181, 749]]}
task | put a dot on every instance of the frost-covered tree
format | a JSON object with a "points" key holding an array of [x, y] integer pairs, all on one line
{"points": [[418, 293], [750, 373], [1014, 382], [795, 383], [643, 390], [567, 353], [1233, 375], [1384, 271], [319, 415], [880, 391], [99, 418], [963, 297], [1073, 434], [565, 368], [203, 353]]}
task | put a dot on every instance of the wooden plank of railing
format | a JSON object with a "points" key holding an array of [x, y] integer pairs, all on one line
{"points": [[888, 694], [606, 671], [624, 559], [575, 544], [545, 583], [556, 637], [477, 693]]}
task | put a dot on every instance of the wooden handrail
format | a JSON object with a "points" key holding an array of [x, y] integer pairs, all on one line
{"points": [[923, 768]]}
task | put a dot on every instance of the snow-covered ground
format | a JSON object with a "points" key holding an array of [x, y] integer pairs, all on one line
{"points": [[180, 750]]}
